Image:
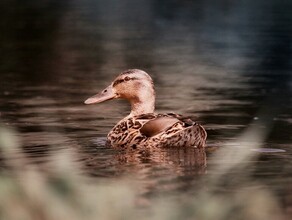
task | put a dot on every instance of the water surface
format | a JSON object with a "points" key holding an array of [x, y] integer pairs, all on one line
{"points": [[226, 65]]}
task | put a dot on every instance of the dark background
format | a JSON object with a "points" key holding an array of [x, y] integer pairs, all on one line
{"points": [[52, 43]]}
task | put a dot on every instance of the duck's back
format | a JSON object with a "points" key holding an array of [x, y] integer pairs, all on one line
{"points": [[157, 130]]}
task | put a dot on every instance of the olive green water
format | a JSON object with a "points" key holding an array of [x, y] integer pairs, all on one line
{"points": [[227, 65]]}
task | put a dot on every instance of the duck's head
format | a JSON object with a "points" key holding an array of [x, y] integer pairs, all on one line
{"points": [[134, 85]]}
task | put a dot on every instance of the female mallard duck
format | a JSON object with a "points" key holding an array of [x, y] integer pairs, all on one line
{"points": [[142, 127]]}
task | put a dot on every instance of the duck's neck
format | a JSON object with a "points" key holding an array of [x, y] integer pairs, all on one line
{"points": [[145, 103]]}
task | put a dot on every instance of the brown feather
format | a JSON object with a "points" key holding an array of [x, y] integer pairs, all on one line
{"points": [[157, 125]]}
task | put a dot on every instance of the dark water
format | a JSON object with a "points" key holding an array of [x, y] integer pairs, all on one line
{"points": [[227, 64]]}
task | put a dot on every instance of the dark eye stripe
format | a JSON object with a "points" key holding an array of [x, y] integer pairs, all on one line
{"points": [[127, 78]]}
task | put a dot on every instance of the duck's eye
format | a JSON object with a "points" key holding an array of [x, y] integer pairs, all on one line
{"points": [[127, 78]]}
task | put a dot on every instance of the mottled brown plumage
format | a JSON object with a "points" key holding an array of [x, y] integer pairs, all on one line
{"points": [[142, 128]]}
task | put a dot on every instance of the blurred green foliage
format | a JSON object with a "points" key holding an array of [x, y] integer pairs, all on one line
{"points": [[28, 193]]}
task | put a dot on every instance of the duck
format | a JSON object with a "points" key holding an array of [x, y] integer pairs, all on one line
{"points": [[143, 128]]}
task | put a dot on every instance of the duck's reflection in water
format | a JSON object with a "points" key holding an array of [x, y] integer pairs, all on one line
{"points": [[179, 159], [155, 170], [163, 170]]}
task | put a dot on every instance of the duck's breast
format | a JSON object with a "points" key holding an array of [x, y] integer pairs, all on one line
{"points": [[126, 133]]}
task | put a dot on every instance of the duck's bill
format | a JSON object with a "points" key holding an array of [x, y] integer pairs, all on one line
{"points": [[104, 95]]}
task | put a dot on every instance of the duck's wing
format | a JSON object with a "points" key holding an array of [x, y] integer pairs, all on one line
{"points": [[157, 125]]}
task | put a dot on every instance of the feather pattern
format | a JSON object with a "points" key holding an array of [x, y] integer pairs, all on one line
{"points": [[183, 133]]}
